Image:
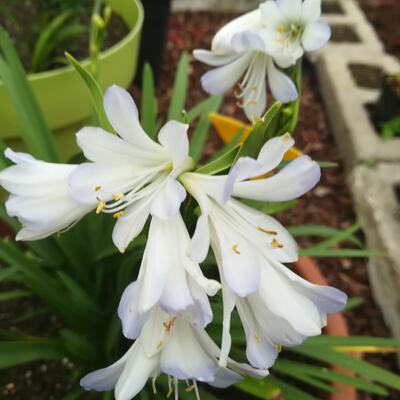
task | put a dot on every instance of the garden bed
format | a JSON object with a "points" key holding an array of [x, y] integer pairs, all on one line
{"points": [[329, 204]]}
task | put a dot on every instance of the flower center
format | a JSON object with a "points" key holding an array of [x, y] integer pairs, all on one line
{"points": [[289, 34]]}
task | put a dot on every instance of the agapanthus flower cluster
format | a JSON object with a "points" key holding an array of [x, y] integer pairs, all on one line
{"points": [[166, 310], [260, 43], [138, 180]]}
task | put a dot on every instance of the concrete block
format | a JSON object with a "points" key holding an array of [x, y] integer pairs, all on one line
{"points": [[378, 209], [346, 102], [215, 5]]}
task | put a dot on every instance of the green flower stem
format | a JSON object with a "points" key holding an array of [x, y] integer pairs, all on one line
{"points": [[296, 103]]}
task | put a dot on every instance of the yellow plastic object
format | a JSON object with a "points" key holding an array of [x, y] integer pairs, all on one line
{"points": [[227, 128]]}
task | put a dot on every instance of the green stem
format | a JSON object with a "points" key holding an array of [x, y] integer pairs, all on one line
{"points": [[94, 49], [296, 105]]}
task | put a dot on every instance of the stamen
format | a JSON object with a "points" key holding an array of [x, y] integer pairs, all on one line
{"points": [[276, 245], [153, 384], [118, 196], [97, 188], [235, 248], [281, 28], [267, 231], [258, 338], [160, 344], [100, 206], [176, 389], [118, 214], [170, 324], [170, 388], [190, 388], [279, 348]]}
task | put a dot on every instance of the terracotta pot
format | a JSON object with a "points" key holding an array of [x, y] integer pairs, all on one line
{"points": [[337, 325]]}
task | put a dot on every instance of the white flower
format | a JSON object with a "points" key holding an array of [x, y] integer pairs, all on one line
{"points": [[40, 196], [168, 344], [291, 27], [167, 277], [238, 49], [130, 176], [251, 45], [250, 248]]}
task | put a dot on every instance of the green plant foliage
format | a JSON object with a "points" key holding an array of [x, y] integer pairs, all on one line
{"points": [[391, 128]]}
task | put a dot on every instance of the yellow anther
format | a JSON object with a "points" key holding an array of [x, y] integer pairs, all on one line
{"points": [[118, 196], [254, 88], [258, 338], [160, 344], [281, 28], [190, 388], [169, 325], [100, 206], [276, 245], [170, 391], [118, 214], [235, 249], [97, 188], [279, 348], [267, 231]]}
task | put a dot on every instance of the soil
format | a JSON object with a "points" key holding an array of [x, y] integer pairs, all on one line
{"points": [[344, 33], [385, 17], [367, 76], [25, 19], [329, 204]]}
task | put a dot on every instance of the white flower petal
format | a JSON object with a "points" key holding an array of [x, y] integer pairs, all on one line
{"points": [[269, 158], [315, 35], [92, 181], [213, 59], [266, 229], [200, 242], [260, 351], [173, 136], [285, 301], [106, 378], [137, 371], [328, 300], [225, 378], [132, 320], [130, 224], [311, 10], [18, 158], [270, 14], [282, 87], [291, 9], [247, 40], [177, 357], [168, 200], [221, 79], [102, 147], [155, 267], [123, 115], [222, 40], [297, 178], [229, 305], [239, 263]]}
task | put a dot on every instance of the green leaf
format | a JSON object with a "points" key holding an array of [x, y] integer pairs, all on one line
{"points": [[7, 273], [149, 102], [332, 376], [289, 391], [320, 230], [333, 341], [35, 131], [204, 107], [261, 388], [340, 236], [350, 253], [80, 347], [14, 353], [95, 91], [270, 208], [14, 294], [357, 365], [258, 135], [179, 91], [353, 303], [200, 133], [76, 394], [220, 164]]}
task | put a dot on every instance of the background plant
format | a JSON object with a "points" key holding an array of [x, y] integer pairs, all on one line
{"points": [[79, 276]]}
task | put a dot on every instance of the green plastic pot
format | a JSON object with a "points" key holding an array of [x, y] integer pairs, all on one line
{"points": [[62, 94]]}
